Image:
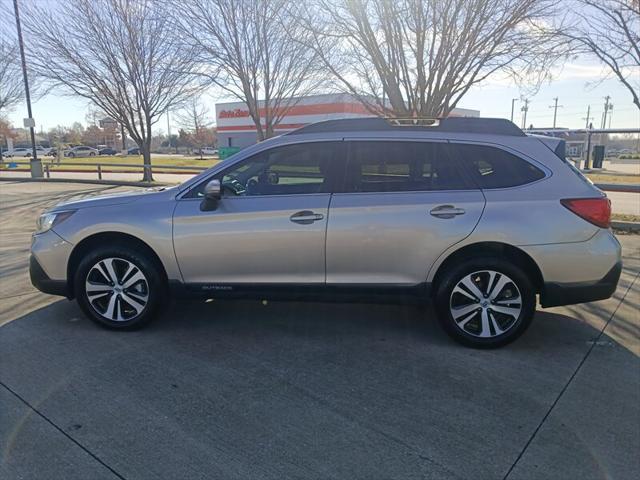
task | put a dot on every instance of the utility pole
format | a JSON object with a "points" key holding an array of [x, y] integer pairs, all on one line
{"points": [[513, 104], [586, 161], [606, 110], [610, 113], [524, 110], [555, 107], [588, 118], [35, 164]]}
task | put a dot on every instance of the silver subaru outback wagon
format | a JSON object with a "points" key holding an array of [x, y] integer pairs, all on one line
{"points": [[471, 214]]}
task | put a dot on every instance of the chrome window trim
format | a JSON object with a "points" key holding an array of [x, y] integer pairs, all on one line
{"points": [[250, 153]]}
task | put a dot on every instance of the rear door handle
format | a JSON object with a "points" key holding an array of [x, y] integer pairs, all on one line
{"points": [[446, 211], [306, 217]]}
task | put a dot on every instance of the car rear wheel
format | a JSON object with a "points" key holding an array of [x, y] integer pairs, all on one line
{"points": [[485, 302], [71, 154], [92, 154], [119, 288]]}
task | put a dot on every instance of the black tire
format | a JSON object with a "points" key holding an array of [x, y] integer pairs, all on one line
{"points": [[154, 285], [71, 154], [514, 327]]}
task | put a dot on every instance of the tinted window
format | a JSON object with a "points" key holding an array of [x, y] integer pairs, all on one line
{"points": [[401, 167], [287, 170], [494, 168]]}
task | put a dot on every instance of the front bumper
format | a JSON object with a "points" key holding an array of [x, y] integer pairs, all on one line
{"points": [[48, 264], [556, 294], [42, 282]]}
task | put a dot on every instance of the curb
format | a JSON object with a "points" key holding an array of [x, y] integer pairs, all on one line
{"points": [[87, 181], [619, 187], [626, 226]]}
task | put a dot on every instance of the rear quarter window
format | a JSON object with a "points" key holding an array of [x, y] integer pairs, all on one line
{"points": [[491, 167]]}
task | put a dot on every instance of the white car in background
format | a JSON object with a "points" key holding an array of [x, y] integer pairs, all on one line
{"points": [[81, 151], [25, 152], [209, 151]]}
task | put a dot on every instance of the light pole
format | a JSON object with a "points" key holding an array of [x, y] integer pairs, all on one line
{"points": [[513, 104], [35, 164], [525, 109]]}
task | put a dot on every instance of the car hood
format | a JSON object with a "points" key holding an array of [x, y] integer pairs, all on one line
{"points": [[116, 198]]}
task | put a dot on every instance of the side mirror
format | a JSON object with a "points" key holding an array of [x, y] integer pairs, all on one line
{"points": [[212, 195]]}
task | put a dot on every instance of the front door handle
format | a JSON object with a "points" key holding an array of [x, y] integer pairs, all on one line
{"points": [[446, 211], [306, 217]]}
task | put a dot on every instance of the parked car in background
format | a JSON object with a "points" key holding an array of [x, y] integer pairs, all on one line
{"points": [[469, 213], [81, 151], [208, 151], [26, 152], [107, 151], [133, 151]]}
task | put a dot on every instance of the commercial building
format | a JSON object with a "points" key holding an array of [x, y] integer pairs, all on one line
{"points": [[236, 128]]}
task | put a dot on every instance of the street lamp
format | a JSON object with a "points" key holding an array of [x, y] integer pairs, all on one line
{"points": [[35, 164]]}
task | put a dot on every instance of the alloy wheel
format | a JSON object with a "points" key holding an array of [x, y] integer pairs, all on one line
{"points": [[485, 304], [117, 289]]}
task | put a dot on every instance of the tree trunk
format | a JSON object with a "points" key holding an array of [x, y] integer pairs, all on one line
{"points": [[145, 149]]}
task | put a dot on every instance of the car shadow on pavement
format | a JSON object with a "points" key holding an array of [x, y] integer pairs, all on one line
{"points": [[295, 389]]}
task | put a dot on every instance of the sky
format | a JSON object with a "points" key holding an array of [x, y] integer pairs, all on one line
{"points": [[577, 86]]}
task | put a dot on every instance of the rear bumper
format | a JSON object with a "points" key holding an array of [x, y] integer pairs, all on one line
{"points": [[42, 282], [556, 294]]}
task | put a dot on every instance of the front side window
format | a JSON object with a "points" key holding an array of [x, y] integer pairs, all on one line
{"points": [[401, 167], [288, 170], [492, 167]]}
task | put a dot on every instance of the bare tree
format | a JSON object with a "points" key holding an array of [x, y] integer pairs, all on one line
{"points": [[196, 122], [609, 30], [11, 87], [121, 55], [411, 58], [251, 49]]}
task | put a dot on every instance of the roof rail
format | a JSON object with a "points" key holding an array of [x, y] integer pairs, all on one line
{"points": [[495, 126]]}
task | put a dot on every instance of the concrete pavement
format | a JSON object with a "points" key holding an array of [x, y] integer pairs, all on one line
{"points": [[623, 202], [308, 390]]}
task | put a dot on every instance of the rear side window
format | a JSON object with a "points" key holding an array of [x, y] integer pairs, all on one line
{"points": [[401, 167], [492, 167]]}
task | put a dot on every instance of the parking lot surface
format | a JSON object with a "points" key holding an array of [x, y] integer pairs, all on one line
{"points": [[278, 390]]}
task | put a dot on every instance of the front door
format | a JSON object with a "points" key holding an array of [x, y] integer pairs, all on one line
{"points": [[403, 204], [268, 228]]}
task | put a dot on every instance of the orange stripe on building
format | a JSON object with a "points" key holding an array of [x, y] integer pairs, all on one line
{"points": [[316, 109], [280, 126]]}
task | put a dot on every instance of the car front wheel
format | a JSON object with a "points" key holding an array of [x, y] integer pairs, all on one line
{"points": [[119, 288], [485, 302]]}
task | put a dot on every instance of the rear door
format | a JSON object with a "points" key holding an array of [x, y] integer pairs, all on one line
{"points": [[402, 204]]}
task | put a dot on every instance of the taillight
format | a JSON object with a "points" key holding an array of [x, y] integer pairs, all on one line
{"points": [[593, 210]]}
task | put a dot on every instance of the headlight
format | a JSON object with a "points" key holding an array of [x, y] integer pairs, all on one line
{"points": [[48, 220]]}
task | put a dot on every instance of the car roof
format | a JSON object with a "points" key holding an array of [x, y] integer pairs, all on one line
{"points": [[473, 125]]}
